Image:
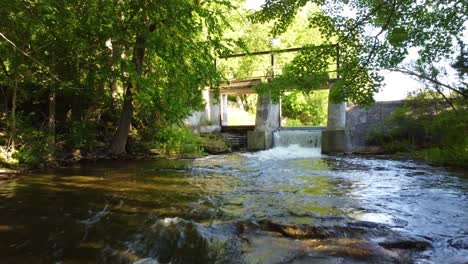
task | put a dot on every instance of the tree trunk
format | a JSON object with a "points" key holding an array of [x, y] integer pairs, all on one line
{"points": [[12, 132], [51, 126], [113, 84], [120, 139], [240, 103], [115, 94]]}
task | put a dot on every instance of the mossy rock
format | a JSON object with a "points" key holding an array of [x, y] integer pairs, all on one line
{"points": [[215, 144]]}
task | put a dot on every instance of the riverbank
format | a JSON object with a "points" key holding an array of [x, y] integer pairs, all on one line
{"points": [[426, 156], [431, 156], [7, 175], [185, 145], [9, 172]]}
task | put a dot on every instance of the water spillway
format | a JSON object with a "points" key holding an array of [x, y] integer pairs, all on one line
{"points": [[307, 138]]}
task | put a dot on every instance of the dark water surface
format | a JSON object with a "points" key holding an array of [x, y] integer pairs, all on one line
{"points": [[280, 206]]}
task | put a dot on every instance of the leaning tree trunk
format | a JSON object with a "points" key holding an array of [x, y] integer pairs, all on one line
{"points": [[240, 102], [12, 132], [51, 126], [115, 93], [115, 52], [120, 139]]}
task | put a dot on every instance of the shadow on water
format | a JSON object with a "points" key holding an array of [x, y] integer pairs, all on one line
{"points": [[288, 206]]}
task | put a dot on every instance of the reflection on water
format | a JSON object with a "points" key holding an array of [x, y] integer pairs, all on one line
{"points": [[283, 205]]}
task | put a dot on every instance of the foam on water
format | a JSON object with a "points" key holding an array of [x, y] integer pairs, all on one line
{"points": [[286, 153], [303, 138]]}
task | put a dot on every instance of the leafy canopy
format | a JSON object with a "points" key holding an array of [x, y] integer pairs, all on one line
{"points": [[375, 35]]}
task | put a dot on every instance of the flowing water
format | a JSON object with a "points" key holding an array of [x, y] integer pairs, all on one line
{"points": [[303, 138], [285, 205]]}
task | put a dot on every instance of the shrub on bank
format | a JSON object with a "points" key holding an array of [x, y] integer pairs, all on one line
{"points": [[175, 140], [428, 129]]}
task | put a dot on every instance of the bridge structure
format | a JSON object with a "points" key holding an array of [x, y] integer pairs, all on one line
{"points": [[268, 114]]}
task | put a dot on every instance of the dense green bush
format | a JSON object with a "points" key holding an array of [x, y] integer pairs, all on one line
{"points": [[174, 140], [305, 109], [430, 129], [32, 149], [81, 135], [292, 122]]}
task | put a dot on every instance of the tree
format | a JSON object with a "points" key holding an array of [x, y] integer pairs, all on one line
{"points": [[377, 35], [254, 36], [436, 77], [57, 57], [175, 45]]}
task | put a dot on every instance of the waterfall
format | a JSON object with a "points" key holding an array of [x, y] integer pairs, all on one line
{"points": [[304, 138]]}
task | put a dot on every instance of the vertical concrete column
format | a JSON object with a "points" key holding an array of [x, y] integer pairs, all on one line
{"points": [[224, 110], [334, 138], [273, 123], [336, 115], [206, 100], [266, 122], [215, 115]]}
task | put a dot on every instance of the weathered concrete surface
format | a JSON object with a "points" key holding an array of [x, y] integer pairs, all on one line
{"points": [[256, 140], [267, 119], [334, 138], [208, 120], [335, 141], [214, 115], [209, 129], [224, 110], [362, 121], [194, 119], [336, 116]]}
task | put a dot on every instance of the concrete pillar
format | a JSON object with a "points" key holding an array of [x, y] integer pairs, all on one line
{"points": [[266, 122], [224, 110], [214, 114], [336, 116], [206, 100], [334, 138]]}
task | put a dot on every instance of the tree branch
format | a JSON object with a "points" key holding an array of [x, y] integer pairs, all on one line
{"points": [[29, 56], [436, 87], [427, 78]]}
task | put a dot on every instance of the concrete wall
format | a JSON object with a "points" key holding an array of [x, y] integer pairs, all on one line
{"points": [[195, 118], [198, 119], [267, 119], [334, 137], [361, 121]]}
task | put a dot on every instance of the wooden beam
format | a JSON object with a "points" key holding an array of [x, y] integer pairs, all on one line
{"points": [[273, 51], [237, 87], [237, 91]]}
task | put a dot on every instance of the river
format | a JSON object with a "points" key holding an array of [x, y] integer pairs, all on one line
{"points": [[285, 205]]}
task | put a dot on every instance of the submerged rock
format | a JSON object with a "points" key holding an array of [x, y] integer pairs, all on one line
{"points": [[146, 261], [215, 144], [405, 243], [459, 242], [351, 243], [175, 240], [272, 247], [306, 231]]}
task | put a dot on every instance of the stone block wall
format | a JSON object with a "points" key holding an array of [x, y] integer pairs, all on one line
{"points": [[361, 121]]}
